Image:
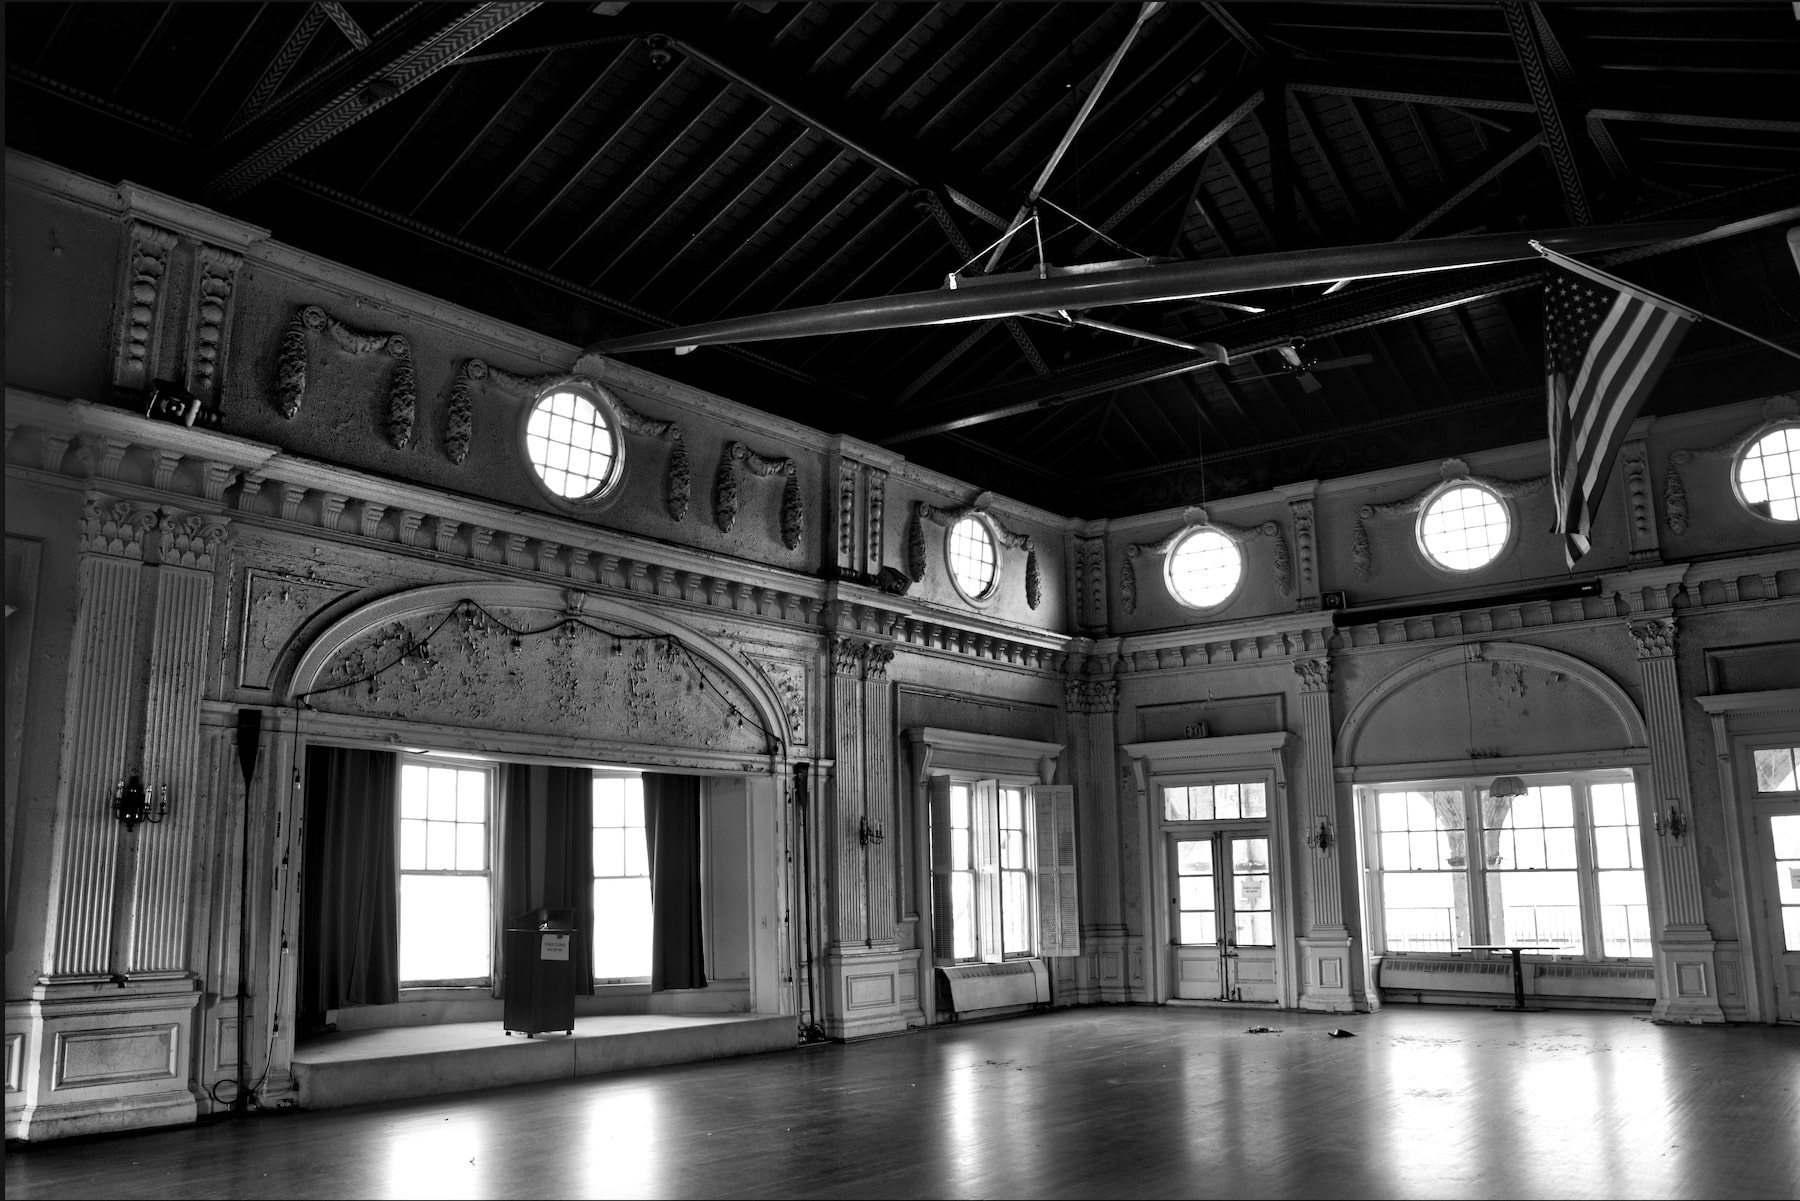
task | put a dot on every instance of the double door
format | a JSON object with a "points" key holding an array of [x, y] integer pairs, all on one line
{"points": [[1222, 915]]}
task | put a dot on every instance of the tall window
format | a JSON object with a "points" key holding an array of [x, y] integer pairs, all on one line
{"points": [[445, 905], [622, 915], [1562, 864], [983, 857]]}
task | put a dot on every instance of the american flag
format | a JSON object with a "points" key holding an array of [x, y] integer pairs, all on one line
{"points": [[1605, 345]]}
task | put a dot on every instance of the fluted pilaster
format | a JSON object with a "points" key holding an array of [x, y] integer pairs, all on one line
{"points": [[181, 627], [1093, 708], [849, 884], [878, 794], [97, 735], [1655, 639], [1317, 807]]}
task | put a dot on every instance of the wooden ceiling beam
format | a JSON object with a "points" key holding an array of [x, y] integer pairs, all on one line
{"points": [[471, 143], [408, 50], [306, 27], [1546, 96], [561, 190]]}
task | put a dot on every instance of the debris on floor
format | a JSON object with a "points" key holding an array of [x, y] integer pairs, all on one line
{"points": [[1262, 1030], [1340, 1032]]}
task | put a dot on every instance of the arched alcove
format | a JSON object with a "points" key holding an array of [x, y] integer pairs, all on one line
{"points": [[620, 683], [1489, 700]]}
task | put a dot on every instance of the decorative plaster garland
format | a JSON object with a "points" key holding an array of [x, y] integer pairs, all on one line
{"points": [[947, 517], [1196, 518], [725, 490], [1362, 559], [291, 367]]}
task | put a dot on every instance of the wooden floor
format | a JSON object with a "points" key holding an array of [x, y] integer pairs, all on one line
{"points": [[1092, 1102]]}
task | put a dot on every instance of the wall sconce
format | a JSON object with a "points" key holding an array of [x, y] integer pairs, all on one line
{"points": [[867, 834], [1674, 825], [1321, 839], [1505, 787], [131, 804]]}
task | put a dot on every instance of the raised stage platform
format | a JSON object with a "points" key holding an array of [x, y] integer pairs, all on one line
{"points": [[354, 1067]]}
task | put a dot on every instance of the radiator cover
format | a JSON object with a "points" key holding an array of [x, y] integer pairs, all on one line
{"points": [[976, 988]]}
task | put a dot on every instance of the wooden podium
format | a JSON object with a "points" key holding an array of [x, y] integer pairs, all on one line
{"points": [[540, 973]]}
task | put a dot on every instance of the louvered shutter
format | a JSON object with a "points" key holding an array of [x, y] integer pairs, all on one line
{"points": [[984, 857], [1059, 916], [943, 907]]}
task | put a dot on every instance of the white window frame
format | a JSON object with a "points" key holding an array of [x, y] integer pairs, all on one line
{"points": [[610, 488], [988, 526], [1475, 872], [1437, 493], [1737, 465], [599, 980], [489, 771], [1237, 586], [940, 756]]}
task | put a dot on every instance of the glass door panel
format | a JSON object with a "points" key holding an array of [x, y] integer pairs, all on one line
{"points": [[1779, 839], [1222, 911]]}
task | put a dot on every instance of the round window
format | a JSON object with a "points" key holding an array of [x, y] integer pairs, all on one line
{"points": [[1464, 527], [572, 446], [1203, 568], [973, 557], [1768, 474]]}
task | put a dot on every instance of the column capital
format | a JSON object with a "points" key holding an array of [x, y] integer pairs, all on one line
{"points": [[114, 527], [1092, 696], [1315, 674], [1654, 636], [189, 539]]}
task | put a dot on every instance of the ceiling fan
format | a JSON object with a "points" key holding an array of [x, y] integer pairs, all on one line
{"points": [[1298, 363]]}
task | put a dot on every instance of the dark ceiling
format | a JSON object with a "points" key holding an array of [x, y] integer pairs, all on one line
{"points": [[594, 171]]}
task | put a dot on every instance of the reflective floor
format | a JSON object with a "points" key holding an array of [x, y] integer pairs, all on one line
{"points": [[1092, 1102]]}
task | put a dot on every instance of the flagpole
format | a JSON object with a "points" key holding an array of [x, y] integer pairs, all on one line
{"points": [[1599, 276]]}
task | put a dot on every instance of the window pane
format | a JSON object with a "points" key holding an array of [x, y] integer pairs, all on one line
{"points": [[609, 852], [1012, 848], [959, 806], [412, 843], [1624, 914], [609, 801], [1559, 848], [1200, 803], [1193, 857], [1195, 892], [1175, 806], [444, 928], [471, 847], [1425, 911], [1539, 906], [471, 796], [1012, 808], [1256, 800], [440, 846], [1775, 769], [637, 852], [959, 850], [1612, 848], [1199, 929], [1249, 854], [1394, 851], [622, 923], [1255, 930], [1249, 892], [634, 801], [441, 794], [962, 908], [412, 791], [1015, 913], [1607, 802], [1225, 801]]}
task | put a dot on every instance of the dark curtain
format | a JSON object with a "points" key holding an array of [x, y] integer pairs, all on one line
{"points": [[672, 828], [350, 936], [546, 859]]}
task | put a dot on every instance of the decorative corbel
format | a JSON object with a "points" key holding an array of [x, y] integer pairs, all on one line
{"points": [[725, 490], [291, 367], [215, 279], [947, 517], [1282, 562], [141, 315], [1450, 471]]}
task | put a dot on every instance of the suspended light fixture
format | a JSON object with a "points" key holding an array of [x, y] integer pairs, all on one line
{"points": [[1505, 787]]}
